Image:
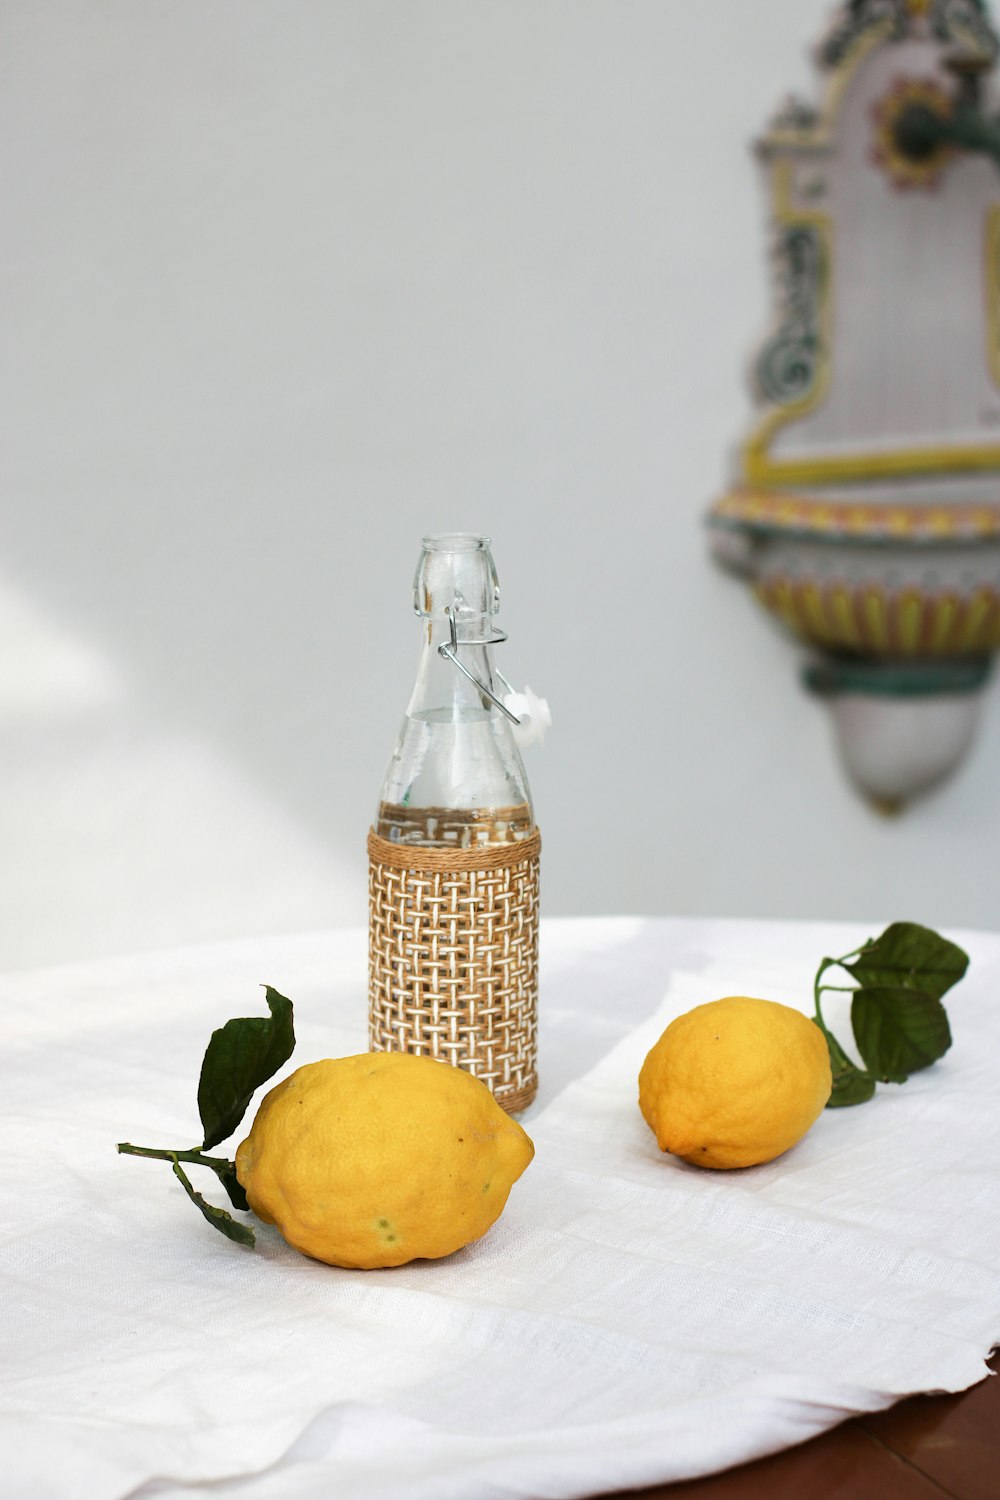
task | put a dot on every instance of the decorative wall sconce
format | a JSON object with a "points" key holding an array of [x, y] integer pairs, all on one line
{"points": [[865, 512]]}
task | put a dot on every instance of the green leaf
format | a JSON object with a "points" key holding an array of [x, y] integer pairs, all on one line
{"points": [[242, 1055], [226, 1173], [908, 956], [850, 1084], [217, 1217], [898, 1031]]}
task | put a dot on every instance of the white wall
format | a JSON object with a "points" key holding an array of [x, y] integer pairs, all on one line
{"points": [[288, 283]]}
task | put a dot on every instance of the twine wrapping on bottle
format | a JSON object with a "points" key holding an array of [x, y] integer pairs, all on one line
{"points": [[453, 958]]}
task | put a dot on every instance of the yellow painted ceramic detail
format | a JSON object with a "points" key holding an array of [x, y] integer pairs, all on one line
{"points": [[819, 137], [904, 171], [812, 513], [735, 1082], [976, 613], [812, 608], [873, 603], [380, 1159], [873, 619], [942, 624], [844, 625], [759, 467], [909, 619], [781, 599]]}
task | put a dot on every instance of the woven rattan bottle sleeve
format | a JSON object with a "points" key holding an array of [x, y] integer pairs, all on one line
{"points": [[453, 958]]}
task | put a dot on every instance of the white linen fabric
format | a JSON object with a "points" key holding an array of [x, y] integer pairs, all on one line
{"points": [[629, 1320]]}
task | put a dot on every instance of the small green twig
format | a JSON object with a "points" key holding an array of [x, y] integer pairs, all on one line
{"points": [[224, 1170], [827, 963], [241, 1234], [196, 1157], [833, 963]]}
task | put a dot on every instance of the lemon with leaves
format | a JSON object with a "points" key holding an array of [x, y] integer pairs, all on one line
{"points": [[380, 1159], [735, 1082]]}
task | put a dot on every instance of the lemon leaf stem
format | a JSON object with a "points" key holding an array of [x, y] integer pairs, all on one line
{"points": [[217, 1217], [225, 1170]]}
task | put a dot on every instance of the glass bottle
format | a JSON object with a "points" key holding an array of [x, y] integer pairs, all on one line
{"points": [[454, 851], [456, 776]]}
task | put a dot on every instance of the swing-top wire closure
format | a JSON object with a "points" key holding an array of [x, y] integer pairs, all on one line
{"points": [[449, 650]]}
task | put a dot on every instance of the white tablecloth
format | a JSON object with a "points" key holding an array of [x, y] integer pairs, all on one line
{"points": [[629, 1320]]}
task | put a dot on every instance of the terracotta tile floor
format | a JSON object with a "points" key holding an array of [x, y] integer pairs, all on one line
{"points": [[925, 1448]]}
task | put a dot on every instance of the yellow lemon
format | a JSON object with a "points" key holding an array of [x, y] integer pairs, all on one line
{"points": [[380, 1159], [735, 1082]]}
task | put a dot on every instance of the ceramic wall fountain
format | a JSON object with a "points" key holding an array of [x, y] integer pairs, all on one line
{"points": [[865, 510]]}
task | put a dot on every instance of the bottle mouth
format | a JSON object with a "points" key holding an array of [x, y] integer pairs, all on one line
{"points": [[455, 541], [456, 577]]}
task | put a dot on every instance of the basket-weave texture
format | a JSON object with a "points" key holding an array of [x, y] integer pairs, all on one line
{"points": [[453, 958]]}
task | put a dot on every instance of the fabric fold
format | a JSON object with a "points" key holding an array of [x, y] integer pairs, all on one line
{"points": [[629, 1320]]}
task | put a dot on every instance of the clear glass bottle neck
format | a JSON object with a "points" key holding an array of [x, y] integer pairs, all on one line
{"points": [[455, 777], [441, 688]]}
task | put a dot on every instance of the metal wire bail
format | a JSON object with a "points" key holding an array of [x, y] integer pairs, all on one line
{"points": [[449, 650]]}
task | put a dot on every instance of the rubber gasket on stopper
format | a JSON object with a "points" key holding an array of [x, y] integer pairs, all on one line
{"points": [[453, 958]]}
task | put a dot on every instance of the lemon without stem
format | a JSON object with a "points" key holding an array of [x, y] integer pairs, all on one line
{"points": [[735, 1082], [380, 1159]]}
